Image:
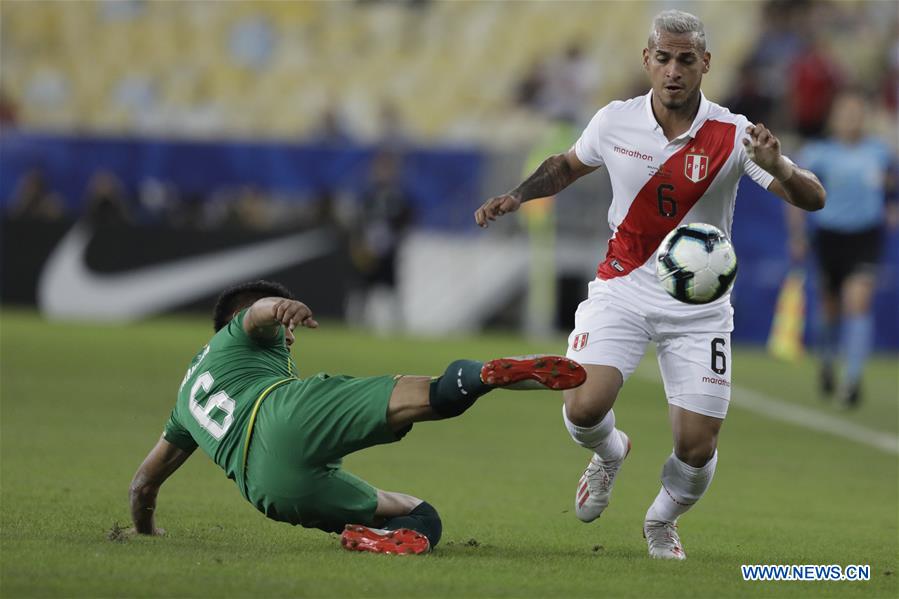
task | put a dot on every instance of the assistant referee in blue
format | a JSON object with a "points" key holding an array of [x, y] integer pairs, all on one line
{"points": [[860, 174]]}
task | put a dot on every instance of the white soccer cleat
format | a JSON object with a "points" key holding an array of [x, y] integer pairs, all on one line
{"points": [[663, 540], [595, 485]]}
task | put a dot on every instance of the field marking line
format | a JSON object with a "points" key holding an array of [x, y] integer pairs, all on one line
{"points": [[765, 405], [783, 411]]}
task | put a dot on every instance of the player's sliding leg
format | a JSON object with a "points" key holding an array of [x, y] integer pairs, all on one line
{"points": [[410, 526], [416, 399], [686, 476], [590, 420], [403, 524]]}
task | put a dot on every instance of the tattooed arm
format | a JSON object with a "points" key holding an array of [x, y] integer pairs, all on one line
{"points": [[555, 174]]}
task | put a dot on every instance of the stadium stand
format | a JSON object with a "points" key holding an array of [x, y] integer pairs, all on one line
{"points": [[271, 69], [260, 116]]}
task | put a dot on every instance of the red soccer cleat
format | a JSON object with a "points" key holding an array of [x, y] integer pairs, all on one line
{"points": [[402, 541], [534, 372]]}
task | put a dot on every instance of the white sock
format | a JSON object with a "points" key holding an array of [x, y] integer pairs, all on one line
{"points": [[599, 438], [682, 486]]}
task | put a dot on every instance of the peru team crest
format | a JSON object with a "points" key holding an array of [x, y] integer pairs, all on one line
{"points": [[580, 341], [696, 167]]}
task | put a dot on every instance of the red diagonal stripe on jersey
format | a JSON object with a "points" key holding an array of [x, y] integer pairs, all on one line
{"points": [[644, 227]]}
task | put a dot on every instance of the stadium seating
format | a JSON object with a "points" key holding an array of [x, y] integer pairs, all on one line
{"points": [[271, 68]]}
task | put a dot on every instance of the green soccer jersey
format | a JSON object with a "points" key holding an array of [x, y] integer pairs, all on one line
{"points": [[220, 391]]}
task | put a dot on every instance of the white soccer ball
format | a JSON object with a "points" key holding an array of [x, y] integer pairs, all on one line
{"points": [[696, 263]]}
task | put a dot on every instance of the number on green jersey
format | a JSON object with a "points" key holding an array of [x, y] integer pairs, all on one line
{"points": [[203, 413]]}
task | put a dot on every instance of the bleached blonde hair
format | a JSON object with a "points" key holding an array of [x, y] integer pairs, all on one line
{"points": [[679, 22]]}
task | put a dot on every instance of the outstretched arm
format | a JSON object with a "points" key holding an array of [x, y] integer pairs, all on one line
{"points": [[555, 174], [159, 464], [799, 187]]}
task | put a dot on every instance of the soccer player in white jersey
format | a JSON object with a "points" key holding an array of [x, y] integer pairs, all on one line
{"points": [[673, 156]]}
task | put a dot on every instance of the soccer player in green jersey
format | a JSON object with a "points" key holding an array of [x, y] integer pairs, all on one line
{"points": [[281, 438]]}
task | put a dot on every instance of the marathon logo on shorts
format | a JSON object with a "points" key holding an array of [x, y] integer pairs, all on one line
{"points": [[580, 341], [696, 167], [715, 381]]}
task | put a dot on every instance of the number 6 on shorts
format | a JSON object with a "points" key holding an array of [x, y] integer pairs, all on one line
{"points": [[719, 358]]}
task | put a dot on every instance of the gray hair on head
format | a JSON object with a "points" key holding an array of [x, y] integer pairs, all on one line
{"points": [[678, 22]]}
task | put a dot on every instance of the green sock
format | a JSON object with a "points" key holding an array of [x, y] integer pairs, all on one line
{"points": [[459, 387], [423, 519]]}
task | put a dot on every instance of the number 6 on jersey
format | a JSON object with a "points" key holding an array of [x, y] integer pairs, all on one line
{"points": [[204, 413]]}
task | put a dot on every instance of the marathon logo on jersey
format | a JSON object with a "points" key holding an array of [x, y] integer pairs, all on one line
{"points": [[716, 381], [580, 341], [696, 167], [632, 153]]}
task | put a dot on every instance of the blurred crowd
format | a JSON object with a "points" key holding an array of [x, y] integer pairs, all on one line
{"points": [[804, 52], [107, 201], [392, 77]]}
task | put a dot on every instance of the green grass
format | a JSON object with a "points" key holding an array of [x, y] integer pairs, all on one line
{"points": [[82, 404]]}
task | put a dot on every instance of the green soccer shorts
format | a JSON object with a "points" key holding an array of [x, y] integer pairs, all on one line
{"points": [[301, 432]]}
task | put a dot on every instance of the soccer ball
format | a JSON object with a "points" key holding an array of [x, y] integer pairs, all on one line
{"points": [[696, 263]]}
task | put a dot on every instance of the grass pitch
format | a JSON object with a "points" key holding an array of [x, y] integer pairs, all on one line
{"points": [[82, 404]]}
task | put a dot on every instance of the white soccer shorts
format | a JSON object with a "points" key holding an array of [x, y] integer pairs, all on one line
{"points": [[693, 349]]}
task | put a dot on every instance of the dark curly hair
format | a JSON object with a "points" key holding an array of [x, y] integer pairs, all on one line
{"points": [[242, 296]]}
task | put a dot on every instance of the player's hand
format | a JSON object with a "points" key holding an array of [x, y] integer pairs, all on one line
{"points": [[495, 207], [291, 313], [764, 149]]}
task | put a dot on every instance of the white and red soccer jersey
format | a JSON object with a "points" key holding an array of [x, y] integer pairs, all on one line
{"points": [[658, 184]]}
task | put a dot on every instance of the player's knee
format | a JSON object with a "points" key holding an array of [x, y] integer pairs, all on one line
{"points": [[584, 408], [588, 404], [696, 452]]}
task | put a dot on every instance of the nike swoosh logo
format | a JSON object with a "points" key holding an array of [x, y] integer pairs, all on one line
{"points": [[67, 288]]}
